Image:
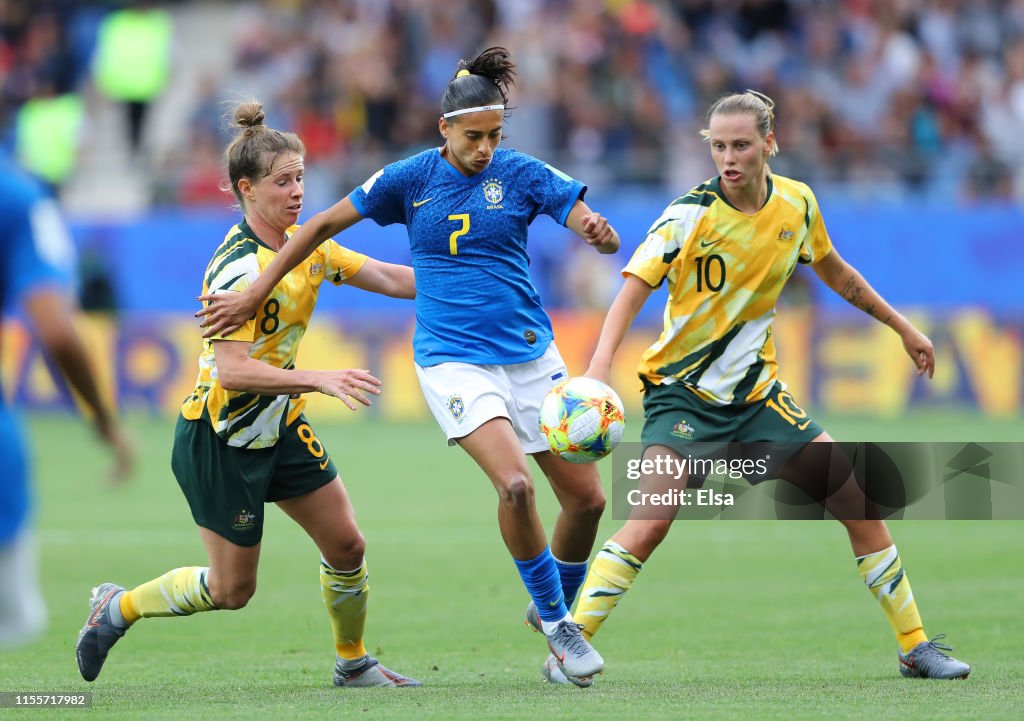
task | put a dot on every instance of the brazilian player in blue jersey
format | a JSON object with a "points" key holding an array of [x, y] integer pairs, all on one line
{"points": [[35, 262], [483, 344]]}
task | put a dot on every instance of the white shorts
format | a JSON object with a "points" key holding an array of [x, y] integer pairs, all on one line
{"points": [[464, 396]]}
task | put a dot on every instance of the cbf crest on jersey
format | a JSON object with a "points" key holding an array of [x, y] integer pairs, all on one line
{"points": [[493, 193]]}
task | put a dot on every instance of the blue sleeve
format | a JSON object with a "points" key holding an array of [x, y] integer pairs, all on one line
{"points": [[553, 192], [382, 197], [40, 251]]}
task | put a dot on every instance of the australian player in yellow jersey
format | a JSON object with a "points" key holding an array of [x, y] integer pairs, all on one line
{"points": [[242, 439], [725, 250]]}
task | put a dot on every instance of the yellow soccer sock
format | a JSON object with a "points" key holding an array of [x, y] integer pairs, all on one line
{"points": [[883, 574], [611, 575], [180, 592], [345, 594]]}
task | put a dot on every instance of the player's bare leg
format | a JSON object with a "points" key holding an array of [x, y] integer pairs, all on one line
{"points": [[326, 514], [881, 568], [581, 498], [620, 559], [228, 583], [496, 449]]}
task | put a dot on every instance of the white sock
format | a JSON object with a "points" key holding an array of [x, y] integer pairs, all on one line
{"points": [[115, 611], [550, 626], [22, 609], [346, 664]]}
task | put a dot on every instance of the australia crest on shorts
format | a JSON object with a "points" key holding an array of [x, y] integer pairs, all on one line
{"points": [[682, 429], [244, 520], [456, 407]]}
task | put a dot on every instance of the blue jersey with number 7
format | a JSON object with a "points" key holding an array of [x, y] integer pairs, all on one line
{"points": [[475, 302]]}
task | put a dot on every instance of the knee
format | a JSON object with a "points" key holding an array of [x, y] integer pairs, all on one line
{"points": [[586, 508], [647, 536], [516, 490], [864, 528], [868, 536], [232, 596], [590, 505], [345, 553]]}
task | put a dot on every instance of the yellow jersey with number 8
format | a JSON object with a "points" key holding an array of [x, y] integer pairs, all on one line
{"points": [[249, 420]]}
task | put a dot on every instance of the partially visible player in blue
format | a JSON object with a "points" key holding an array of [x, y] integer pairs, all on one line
{"points": [[483, 343], [36, 257]]}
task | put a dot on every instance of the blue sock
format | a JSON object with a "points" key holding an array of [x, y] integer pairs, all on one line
{"points": [[572, 575], [540, 576]]}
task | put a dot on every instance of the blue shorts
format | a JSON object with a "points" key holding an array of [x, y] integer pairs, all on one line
{"points": [[14, 469]]}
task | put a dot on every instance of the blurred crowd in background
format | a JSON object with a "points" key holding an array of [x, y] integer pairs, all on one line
{"points": [[922, 97]]}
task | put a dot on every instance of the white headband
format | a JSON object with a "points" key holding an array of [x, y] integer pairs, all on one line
{"points": [[480, 109]]}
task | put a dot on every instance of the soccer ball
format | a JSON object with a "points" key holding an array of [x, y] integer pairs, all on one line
{"points": [[582, 419]]}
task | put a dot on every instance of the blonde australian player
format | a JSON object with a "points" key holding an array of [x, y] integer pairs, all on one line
{"points": [[725, 250], [242, 439]]}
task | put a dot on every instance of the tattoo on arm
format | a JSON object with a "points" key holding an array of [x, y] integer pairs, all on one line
{"points": [[852, 292]]}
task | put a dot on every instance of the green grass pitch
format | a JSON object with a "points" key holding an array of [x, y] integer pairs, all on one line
{"points": [[730, 620]]}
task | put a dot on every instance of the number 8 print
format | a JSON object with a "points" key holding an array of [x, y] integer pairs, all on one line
{"points": [[313, 443]]}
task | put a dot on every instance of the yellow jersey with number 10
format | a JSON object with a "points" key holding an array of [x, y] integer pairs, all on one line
{"points": [[248, 420], [725, 270]]}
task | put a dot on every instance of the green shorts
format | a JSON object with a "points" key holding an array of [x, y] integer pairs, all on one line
{"points": [[675, 416], [674, 413], [226, 487]]}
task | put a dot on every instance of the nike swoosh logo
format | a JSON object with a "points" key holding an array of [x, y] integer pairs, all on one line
{"points": [[94, 617], [418, 203], [328, 460], [553, 604], [804, 424], [706, 244]]}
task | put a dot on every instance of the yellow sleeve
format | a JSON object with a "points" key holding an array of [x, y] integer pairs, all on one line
{"points": [[816, 243], [232, 271], [341, 263], [246, 332], [652, 261]]}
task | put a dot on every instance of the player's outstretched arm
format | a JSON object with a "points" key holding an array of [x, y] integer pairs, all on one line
{"points": [[844, 279], [391, 279], [226, 312], [50, 315], [628, 302], [238, 371], [593, 228]]}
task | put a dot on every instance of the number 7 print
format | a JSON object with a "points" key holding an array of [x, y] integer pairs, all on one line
{"points": [[453, 245]]}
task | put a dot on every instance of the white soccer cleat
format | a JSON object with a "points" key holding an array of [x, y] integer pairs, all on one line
{"points": [[550, 671]]}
